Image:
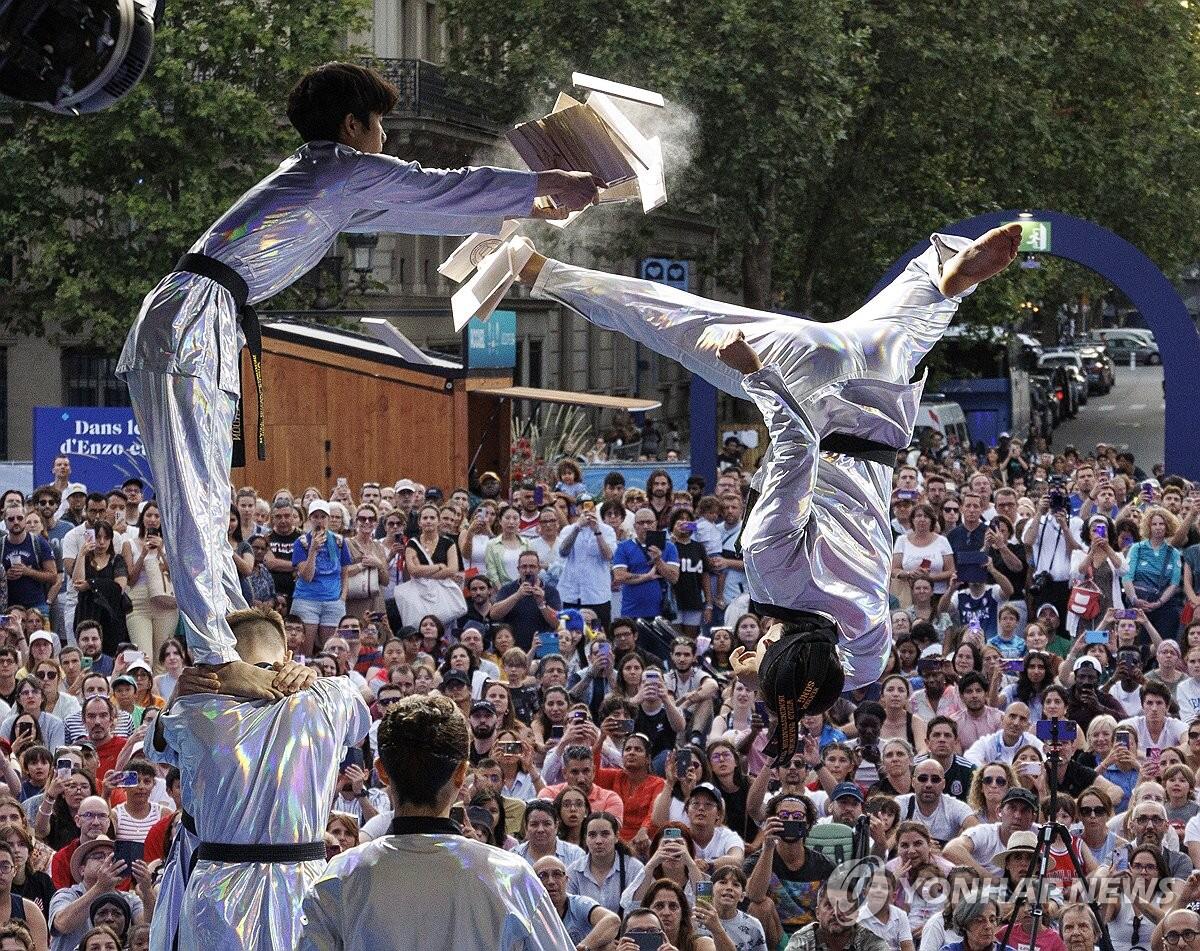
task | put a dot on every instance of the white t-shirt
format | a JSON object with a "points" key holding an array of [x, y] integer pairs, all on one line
{"points": [[1130, 700], [946, 821], [1187, 695], [1173, 733], [935, 552], [893, 931], [724, 839], [986, 845]]}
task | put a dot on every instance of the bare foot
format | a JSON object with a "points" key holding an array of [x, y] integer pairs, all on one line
{"points": [[736, 353], [533, 267], [985, 257]]}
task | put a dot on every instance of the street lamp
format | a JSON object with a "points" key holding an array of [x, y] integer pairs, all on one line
{"points": [[362, 256]]}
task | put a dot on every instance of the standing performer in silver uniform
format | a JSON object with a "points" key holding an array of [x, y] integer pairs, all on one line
{"points": [[425, 886], [261, 777], [182, 357], [838, 403]]}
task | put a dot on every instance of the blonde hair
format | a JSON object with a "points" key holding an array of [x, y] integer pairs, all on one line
{"points": [[1169, 520]]}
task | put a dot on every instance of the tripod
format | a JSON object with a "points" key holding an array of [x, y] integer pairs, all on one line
{"points": [[1049, 833]]}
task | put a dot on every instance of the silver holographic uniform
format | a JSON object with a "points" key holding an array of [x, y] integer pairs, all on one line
{"points": [[818, 538], [182, 356], [259, 773], [430, 893]]}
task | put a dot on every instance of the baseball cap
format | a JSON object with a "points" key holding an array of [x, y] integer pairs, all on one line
{"points": [[139, 665], [41, 636], [1087, 661], [1046, 607], [406, 485], [318, 505], [710, 790], [456, 677], [134, 480], [489, 475], [408, 633], [483, 706], [75, 488], [1022, 795], [124, 679], [571, 619], [847, 789]]}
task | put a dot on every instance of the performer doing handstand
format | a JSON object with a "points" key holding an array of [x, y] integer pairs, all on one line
{"points": [[837, 402]]}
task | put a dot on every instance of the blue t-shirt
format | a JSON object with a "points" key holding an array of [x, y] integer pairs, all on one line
{"points": [[327, 578], [984, 609], [579, 908], [643, 599], [26, 592]]}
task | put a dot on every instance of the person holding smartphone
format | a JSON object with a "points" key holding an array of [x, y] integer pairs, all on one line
{"points": [[642, 565]]}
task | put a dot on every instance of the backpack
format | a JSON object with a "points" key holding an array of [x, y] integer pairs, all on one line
{"points": [[832, 840]]}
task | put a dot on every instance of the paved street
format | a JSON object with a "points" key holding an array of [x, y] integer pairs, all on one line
{"points": [[1130, 416]]}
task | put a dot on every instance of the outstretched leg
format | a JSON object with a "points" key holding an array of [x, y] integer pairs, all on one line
{"points": [[898, 327]]}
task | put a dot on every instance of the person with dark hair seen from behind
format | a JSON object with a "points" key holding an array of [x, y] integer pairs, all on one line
{"points": [[498, 901], [181, 359]]}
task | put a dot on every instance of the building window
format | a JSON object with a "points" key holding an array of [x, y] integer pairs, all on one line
{"points": [[90, 379], [535, 364]]}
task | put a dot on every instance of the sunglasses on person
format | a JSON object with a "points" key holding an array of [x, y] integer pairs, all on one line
{"points": [[933, 778], [1087, 812], [367, 518], [949, 508], [995, 780]]}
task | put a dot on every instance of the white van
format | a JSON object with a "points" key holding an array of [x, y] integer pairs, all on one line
{"points": [[937, 414]]}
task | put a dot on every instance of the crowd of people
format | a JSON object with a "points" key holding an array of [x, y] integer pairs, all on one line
{"points": [[631, 770]]}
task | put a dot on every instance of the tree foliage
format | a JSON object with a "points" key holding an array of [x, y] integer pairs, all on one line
{"points": [[97, 208], [832, 134]]}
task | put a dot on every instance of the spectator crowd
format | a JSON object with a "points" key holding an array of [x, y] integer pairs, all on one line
{"points": [[586, 640]]}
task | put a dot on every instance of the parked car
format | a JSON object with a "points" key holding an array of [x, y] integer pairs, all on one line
{"points": [[1122, 348], [1104, 334], [1072, 365], [1100, 369]]}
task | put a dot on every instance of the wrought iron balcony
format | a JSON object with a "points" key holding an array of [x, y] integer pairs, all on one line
{"points": [[424, 92]]}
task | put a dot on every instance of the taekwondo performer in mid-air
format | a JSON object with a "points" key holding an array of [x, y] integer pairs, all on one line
{"points": [[838, 403], [181, 359], [181, 363]]}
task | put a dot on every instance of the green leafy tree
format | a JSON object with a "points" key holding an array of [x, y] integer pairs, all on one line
{"points": [[97, 208], [832, 135]]}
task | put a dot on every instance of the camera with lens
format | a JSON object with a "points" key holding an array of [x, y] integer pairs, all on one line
{"points": [[75, 56]]}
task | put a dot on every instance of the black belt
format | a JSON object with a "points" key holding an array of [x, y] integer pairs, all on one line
{"points": [[233, 282], [866, 449], [233, 853], [792, 615]]}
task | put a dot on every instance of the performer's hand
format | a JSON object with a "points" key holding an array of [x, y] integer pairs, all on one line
{"points": [[239, 679], [291, 677], [738, 355], [193, 680], [572, 191], [744, 663]]}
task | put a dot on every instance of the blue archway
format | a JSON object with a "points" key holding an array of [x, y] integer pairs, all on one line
{"points": [[1124, 266]]}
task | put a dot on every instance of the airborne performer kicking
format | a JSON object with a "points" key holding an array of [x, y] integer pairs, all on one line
{"points": [[837, 401]]}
